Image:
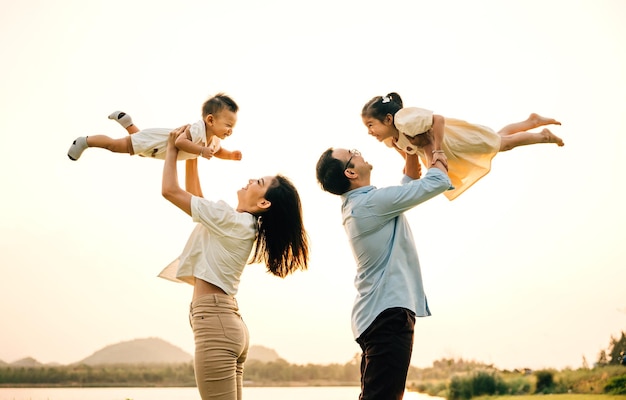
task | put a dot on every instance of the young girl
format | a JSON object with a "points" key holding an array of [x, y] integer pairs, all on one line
{"points": [[466, 149], [219, 115], [265, 226]]}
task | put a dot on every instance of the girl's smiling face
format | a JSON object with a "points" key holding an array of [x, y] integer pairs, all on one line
{"points": [[381, 130]]}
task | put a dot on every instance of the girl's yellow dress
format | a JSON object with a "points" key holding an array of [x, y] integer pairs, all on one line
{"points": [[468, 147]]}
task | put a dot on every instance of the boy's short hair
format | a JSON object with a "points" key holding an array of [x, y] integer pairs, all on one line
{"points": [[217, 103]]}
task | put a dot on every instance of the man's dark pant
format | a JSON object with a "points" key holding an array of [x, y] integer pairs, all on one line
{"points": [[387, 345]]}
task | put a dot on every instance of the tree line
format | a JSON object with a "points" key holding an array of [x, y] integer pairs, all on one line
{"points": [[454, 379], [256, 373]]}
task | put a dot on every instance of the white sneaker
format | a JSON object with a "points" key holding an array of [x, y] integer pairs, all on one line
{"points": [[122, 118], [76, 149]]}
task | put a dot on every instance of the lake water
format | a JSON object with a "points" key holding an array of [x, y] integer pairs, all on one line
{"points": [[253, 393]]}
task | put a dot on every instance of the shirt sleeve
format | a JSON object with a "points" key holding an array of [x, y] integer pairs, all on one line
{"points": [[412, 120], [394, 200], [198, 132]]}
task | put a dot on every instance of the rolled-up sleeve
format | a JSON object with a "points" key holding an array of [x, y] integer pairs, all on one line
{"points": [[412, 192]]}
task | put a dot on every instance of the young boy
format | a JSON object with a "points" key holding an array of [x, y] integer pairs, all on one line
{"points": [[219, 116]]}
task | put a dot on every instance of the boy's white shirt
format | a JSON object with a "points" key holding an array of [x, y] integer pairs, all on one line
{"points": [[199, 135]]}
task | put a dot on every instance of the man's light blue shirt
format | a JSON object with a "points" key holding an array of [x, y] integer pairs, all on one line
{"points": [[388, 270]]}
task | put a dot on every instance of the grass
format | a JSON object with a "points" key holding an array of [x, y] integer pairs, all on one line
{"points": [[565, 396]]}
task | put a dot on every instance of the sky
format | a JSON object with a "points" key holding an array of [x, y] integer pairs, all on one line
{"points": [[525, 269]]}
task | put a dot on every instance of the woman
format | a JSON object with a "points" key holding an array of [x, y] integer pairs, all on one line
{"points": [[266, 223]]}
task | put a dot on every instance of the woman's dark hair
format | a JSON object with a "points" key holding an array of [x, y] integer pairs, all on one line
{"points": [[330, 174], [282, 242], [217, 103], [379, 106]]}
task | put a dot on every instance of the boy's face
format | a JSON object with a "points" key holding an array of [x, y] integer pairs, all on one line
{"points": [[381, 130], [222, 123]]}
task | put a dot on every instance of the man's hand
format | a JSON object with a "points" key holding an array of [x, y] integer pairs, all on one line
{"points": [[439, 155]]}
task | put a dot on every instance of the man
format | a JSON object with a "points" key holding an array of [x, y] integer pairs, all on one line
{"points": [[390, 293]]}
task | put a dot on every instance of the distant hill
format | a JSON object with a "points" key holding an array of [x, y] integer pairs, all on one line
{"points": [[27, 362], [138, 351], [263, 354], [143, 351]]}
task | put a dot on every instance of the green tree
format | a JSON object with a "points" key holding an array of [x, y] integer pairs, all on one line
{"points": [[545, 381], [602, 359], [616, 349], [616, 385]]}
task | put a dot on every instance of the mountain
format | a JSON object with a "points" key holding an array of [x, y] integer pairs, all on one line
{"points": [[138, 351], [263, 354], [27, 362], [144, 351]]}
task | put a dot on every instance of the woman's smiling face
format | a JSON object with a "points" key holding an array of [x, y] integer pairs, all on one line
{"points": [[252, 196]]}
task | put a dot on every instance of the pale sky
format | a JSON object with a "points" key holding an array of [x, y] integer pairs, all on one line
{"points": [[525, 269]]}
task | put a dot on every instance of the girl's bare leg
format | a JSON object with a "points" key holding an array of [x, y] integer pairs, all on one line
{"points": [[533, 121], [511, 141]]}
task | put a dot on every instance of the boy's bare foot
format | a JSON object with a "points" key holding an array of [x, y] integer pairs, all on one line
{"points": [[552, 138], [538, 120]]}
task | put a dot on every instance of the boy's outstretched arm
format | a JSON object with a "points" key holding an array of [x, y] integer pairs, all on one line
{"points": [[228, 154]]}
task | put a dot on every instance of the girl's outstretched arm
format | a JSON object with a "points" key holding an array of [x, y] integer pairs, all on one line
{"points": [[170, 188]]}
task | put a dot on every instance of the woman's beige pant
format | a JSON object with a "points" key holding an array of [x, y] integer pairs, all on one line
{"points": [[222, 342]]}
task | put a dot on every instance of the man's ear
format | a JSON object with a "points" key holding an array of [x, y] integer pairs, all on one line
{"points": [[350, 173], [264, 204]]}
